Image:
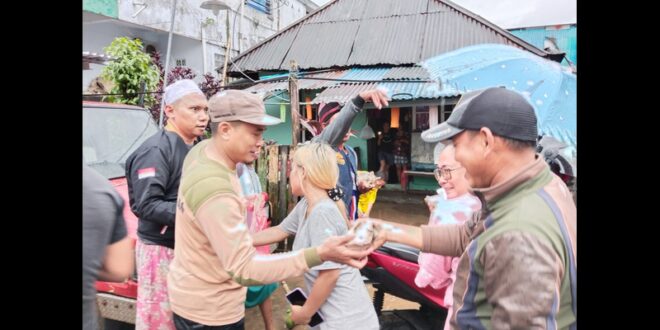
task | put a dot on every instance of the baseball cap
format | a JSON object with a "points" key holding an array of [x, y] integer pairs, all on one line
{"points": [[505, 112], [232, 105]]}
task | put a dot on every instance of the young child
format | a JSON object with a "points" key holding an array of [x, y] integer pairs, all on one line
{"points": [[453, 204], [367, 200]]}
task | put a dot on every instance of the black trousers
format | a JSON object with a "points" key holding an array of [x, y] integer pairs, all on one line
{"points": [[184, 324]]}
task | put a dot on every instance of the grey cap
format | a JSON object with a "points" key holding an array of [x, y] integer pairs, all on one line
{"points": [[232, 105], [505, 112]]}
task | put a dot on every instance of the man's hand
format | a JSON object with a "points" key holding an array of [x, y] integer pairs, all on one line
{"points": [[380, 229], [334, 249], [363, 186], [430, 203], [377, 96]]}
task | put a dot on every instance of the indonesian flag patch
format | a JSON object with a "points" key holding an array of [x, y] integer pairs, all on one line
{"points": [[148, 172]]}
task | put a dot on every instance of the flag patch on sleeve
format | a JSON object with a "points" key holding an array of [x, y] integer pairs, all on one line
{"points": [[146, 172]]}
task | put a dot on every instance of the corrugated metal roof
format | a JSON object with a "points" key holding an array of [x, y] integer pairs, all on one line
{"points": [[313, 51], [407, 73], [566, 39], [400, 87], [268, 87], [386, 8], [474, 33], [365, 74], [320, 84], [422, 90], [342, 93], [398, 91], [374, 32], [392, 40], [333, 12], [268, 55], [303, 84]]}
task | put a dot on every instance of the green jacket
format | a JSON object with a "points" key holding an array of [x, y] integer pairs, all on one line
{"points": [[518, 256]]}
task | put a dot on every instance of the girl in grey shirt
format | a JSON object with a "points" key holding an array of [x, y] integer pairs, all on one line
{"points": [[336, 291]]}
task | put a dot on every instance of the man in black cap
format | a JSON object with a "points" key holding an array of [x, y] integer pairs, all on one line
{"points": [[518, 258]]}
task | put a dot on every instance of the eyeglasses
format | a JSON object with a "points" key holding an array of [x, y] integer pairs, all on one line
{"points": [[444, 172]]}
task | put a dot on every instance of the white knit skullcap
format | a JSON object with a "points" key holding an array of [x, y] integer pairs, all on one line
{"points": [[180, 89]]}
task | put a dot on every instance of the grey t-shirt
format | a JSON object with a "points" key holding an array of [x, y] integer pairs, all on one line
{"points": [[103, 224], [349, 305]]}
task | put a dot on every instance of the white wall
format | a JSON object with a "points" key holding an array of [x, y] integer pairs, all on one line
{"points": [[255, 26], [290, 12], [152, 25], [97, 36]]}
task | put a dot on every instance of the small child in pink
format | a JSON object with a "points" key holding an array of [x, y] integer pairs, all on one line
{"points": [[436, 270]]}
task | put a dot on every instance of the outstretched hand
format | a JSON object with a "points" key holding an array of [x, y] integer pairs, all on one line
{"points": [[334, 249], [380, 231], [377, 96]]}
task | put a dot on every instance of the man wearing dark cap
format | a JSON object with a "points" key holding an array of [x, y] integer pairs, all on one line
{"points": [[335, 130], [518, 258], [213, 257]]}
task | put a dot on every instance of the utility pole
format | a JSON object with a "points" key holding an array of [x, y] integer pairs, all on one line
{"points": [[295, 105]]}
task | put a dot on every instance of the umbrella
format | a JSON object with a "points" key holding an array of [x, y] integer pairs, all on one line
{"points": [[550, 88]]}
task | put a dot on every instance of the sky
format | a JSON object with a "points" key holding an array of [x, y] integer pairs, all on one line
{"points": [[510, 14]]}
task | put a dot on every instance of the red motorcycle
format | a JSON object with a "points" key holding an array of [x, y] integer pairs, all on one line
{"points": [[392, 269]]}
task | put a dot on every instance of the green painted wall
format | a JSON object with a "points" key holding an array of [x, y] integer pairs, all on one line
{"points": [[423, 183], [282, 133], [102, 7], [358, 123]]}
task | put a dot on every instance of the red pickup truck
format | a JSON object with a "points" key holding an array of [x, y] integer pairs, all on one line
{"points": [[111, 132]]}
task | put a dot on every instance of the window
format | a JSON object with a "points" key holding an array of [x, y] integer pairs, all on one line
{"points": [[181, 62], [219, 61], [260, 5], [446, 112], [421, 118]]}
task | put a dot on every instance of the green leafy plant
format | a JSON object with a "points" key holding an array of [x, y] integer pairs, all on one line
{"points": [[130, 68]]}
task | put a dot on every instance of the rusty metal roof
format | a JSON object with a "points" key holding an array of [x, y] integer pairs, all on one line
{"points": [[346, 33]]}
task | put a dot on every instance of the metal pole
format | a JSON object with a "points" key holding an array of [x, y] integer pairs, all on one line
{"points": [[227, 52], [204, 66], [240, 26], [167, 63]]}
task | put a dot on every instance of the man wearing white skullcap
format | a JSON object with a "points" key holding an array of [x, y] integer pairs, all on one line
{"points": [[153, 172]]}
